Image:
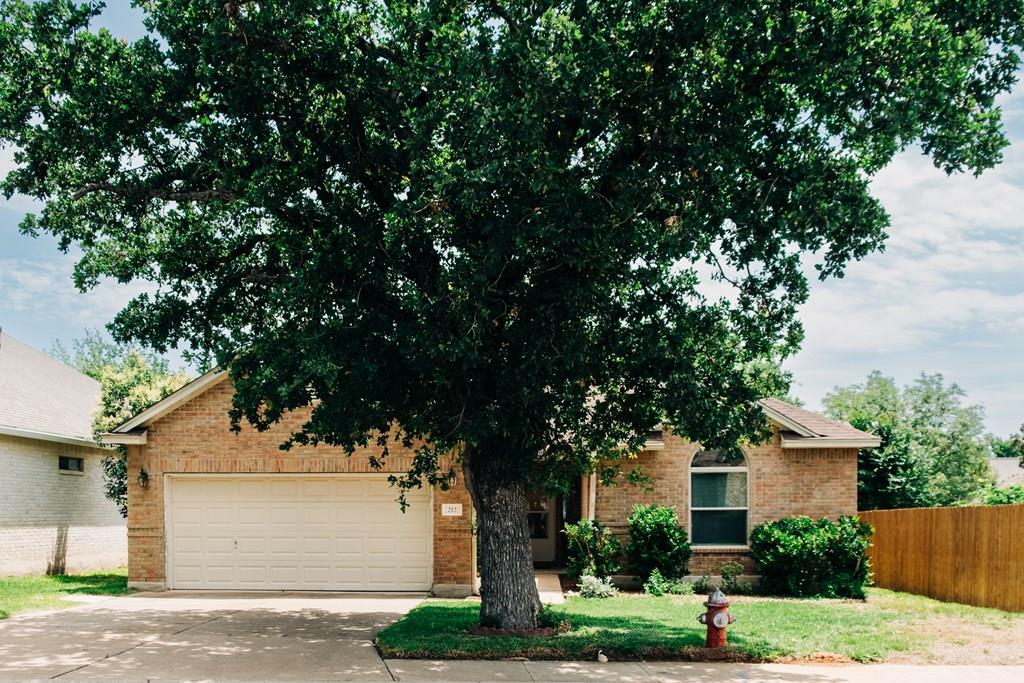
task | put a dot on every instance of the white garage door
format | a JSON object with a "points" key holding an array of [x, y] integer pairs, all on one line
{"points": [[296, 533]]}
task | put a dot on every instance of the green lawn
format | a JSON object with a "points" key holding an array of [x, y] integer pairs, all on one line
{"points": [[28, 593], [640, 626]]}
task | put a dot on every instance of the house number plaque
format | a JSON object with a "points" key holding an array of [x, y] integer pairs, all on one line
{"points": [[451, 509]]}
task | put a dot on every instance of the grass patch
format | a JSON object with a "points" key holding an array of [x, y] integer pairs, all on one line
{"points": [[29, 593], [629, 627]]}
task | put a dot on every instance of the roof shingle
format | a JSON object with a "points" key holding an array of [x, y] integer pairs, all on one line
{"points": [[817, 425], [38, 393]]}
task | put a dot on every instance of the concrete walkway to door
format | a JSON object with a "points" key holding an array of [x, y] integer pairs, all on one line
{"points": [[204, 635]]}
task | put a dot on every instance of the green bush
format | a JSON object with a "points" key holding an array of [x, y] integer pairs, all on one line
{"points": [[703, 585], [730, 572], [1008, 495], [592, 549], [656, 541], [658, 585], [680, 588], [595, 587], [803, 557]]}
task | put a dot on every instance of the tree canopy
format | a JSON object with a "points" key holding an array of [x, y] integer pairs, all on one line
{"points": [[934, 449], [502, 228], [1010, 447]]}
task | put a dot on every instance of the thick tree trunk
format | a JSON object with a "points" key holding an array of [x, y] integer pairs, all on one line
{"points": [[508, 592]]}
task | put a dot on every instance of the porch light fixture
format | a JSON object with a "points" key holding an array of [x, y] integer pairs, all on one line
{"points": [[143, 478]]}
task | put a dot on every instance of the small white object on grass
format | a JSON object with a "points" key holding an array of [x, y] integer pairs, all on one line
{"points": [[602, 657]]}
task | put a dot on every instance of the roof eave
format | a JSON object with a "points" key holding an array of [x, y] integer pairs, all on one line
{"points": [[830, 442], [784, 421], [48, 436], [136, 438]]}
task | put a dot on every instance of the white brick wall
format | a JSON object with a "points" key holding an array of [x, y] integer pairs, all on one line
{"points": [[39, 505]]}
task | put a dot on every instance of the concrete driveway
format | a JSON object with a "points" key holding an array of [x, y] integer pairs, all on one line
{"points": [[203, 635]]}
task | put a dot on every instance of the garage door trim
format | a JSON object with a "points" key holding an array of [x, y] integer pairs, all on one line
{"points": [[168, 501]]}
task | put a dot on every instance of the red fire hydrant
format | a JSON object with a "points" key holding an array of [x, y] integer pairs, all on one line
{"points": [[717, 618]]}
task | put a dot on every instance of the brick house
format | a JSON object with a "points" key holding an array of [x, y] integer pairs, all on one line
{"points": [[54, 516], [209, 508]]}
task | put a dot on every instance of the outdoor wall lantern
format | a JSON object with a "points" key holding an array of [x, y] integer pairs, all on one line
{"points": [[143, 478]]}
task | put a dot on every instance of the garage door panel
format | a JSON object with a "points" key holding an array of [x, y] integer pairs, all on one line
{"points": [[348, 547], [316, 545], [317, 488], [284, 514], [316, 513], [253, 514], [297, 533]]}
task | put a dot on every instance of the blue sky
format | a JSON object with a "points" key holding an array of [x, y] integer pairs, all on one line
{"points": [[947, 295]]}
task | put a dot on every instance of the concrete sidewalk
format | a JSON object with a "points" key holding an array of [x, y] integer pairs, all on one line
{"points": [[686, 672]]}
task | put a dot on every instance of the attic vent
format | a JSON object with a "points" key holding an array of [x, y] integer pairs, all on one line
{"points": [[656, 435]]}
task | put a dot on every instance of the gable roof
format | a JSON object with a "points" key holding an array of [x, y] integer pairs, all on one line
{"points": [[799, 428], [41, 398]]}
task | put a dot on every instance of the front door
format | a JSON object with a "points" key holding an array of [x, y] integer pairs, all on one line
{"points": [[543, 518]]}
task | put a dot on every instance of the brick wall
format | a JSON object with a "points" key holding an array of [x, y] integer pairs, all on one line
{"points": [[813, 482], [50, 519], [196, 438]]}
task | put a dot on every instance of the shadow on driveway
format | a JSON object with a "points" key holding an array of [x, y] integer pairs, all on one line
{"points": [[202, 635]]}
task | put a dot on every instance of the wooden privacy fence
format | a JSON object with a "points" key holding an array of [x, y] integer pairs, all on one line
{"points": [[973, 555]]}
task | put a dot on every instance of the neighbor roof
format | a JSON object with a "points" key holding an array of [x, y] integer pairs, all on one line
{"points": [[802, 428], [1007, 470], [42, 398]]}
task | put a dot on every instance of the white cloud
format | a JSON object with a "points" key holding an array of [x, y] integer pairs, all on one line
{"points": [[946, 295], [44, 290]]}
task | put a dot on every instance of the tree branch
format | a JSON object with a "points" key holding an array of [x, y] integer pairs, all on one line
{"points": [[165, 195]]}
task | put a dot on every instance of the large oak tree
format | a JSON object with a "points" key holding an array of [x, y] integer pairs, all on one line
{"points": [[503, 226]]}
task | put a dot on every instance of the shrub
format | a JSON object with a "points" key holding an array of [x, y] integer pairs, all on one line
{"points": [[803, 557], [703, 585], [729, 572], [680, 588], [595, 587], [592, 549], [656, 541], [656, 584]]}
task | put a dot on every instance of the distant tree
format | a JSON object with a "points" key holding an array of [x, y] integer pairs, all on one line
{"points": [[933, 449], [950, 438], [1007, 495], [95, 351], [1010, 447], [889, 476], [131, 379]]}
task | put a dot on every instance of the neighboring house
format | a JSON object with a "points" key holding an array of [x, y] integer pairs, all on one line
{"points": [[221, 510], [54, 516], [1007, 471]]}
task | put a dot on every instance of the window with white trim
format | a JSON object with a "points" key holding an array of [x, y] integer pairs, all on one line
{"points": [[718, 498]]}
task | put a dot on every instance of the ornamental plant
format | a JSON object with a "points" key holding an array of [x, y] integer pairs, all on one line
{"points": [[592, 550], [657, 542], [803, 557]]}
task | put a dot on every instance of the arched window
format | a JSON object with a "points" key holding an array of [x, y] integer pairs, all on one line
{"points": [[718, 498]]}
